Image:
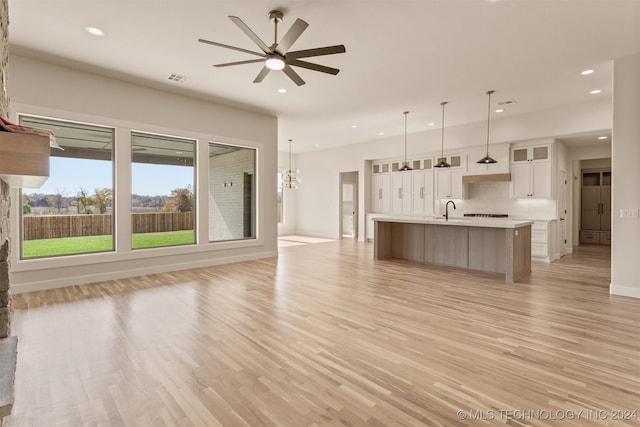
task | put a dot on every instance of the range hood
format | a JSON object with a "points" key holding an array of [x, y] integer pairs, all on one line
{"points": [[493, 177]]}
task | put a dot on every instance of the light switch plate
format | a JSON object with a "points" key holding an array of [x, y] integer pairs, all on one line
{"points": [[629, 213]]}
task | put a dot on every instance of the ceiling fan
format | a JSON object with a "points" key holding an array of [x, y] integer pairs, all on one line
{"points": [[277, 56]]}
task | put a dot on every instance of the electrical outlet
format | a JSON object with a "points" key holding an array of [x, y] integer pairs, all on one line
{"points": [[629, 213]]}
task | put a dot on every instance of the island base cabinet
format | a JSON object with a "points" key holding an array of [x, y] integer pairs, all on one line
{"points": [[504, 251], [482, 259], [518, 242], [446, 245]]}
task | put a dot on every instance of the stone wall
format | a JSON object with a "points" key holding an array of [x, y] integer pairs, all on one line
{"points": [[5, 202]]}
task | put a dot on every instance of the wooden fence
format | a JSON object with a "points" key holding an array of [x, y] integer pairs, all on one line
{"points": [[56, 226]]}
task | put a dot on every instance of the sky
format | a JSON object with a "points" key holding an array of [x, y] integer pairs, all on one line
{"points": [[68, 175]]}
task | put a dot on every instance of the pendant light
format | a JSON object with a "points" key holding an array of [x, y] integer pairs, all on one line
{"points": [[442, 163], [405, 166], [291, 179], [486, 160]]}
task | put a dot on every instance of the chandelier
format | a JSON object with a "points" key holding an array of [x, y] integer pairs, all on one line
{"points": [[291, 179]]}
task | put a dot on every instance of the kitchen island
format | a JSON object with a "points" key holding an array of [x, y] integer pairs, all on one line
{"points": [[501, 246]]}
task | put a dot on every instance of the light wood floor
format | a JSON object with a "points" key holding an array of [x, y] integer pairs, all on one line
{"points": [[324, 335]]}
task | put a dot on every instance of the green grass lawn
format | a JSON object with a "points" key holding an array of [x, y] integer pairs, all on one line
{"points": [[75, 245]]}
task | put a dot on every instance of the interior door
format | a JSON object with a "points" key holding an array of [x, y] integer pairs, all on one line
{"points": [[348, 212], [347, 209], [562, 210]]}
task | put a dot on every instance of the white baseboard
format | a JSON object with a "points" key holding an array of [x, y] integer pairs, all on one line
{"points": [[122, 274], [625, 291]]}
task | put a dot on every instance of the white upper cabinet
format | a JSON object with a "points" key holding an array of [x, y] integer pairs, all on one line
{"points": [[448, 181], [532, 153], [531, 171]]}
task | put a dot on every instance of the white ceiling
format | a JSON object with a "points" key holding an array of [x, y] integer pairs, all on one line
{"points": [[401, 55]]}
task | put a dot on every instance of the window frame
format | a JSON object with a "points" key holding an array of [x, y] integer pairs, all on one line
{"points": [[194, 176], [21, 228], [255, 192]]}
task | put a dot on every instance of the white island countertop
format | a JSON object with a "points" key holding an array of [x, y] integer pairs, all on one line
{"points": [[458, 221]]}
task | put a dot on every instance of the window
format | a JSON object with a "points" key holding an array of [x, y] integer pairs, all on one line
{"points": [[72, 212], [232, 194], [162, 193], [280, 202]]}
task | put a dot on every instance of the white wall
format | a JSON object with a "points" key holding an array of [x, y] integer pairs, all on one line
{"points": [[625, 176], [290, 197], [317, 212], [51, 90]]}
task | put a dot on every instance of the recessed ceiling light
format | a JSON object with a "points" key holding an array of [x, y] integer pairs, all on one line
{"points": [[603, 137], [432, 124], [380, 133], [94, 30], [499, 110], [282, 90], [317, 145], [595, 91], [354, 126], [586, 72]]}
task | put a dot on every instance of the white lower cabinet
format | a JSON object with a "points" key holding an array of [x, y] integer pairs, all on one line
{"points": [[369, 227], [542, 233]]}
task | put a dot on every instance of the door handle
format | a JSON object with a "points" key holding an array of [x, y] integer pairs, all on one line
{"points": [[561, 219], [422, 192], [400, 193], [379, 193]]}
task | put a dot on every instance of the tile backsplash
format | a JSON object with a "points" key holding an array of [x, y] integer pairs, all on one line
{"points": [[494, 198]]}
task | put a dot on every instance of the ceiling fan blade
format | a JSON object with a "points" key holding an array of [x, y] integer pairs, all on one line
{"points": [[293, 75], [245, 29], [231, 47], [228, 64], [292, 35], [319, 51], [315, 67], [262, 74]]}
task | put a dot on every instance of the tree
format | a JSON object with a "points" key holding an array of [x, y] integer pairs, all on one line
{"points": [[83, 202], [181, 200], [26, 208], [102, 199], [58, 201]]}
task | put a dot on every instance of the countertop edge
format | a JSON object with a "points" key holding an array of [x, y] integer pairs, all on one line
{"points": [[491, 223]]}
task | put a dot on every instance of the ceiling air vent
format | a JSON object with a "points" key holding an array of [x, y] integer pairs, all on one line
{"points": [[178, 78], [507, 102]]}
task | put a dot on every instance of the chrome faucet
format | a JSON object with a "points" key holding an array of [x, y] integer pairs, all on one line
{"points": [[446, 209]]}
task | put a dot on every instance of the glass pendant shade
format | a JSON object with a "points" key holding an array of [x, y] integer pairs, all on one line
{"points": [[487, 160], [442, 162]]}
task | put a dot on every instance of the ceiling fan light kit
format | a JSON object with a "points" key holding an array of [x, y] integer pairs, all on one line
{"points": [[487, 160], [277, 56]]}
